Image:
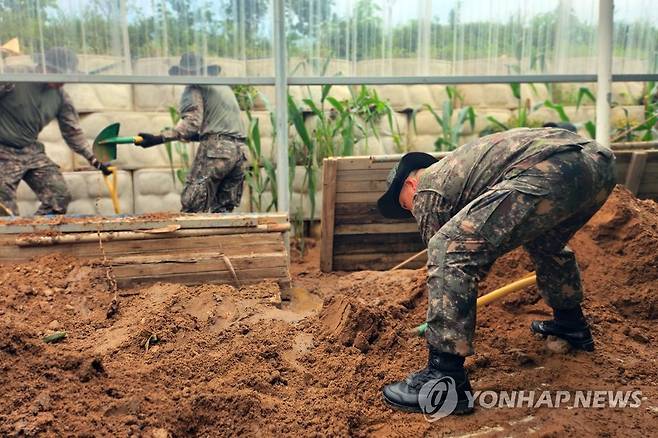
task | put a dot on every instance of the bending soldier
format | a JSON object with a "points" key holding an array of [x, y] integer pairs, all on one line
{"points": [[525, 187]]}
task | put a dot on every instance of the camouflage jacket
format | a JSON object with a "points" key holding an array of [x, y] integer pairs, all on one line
{"points": [[207, 109], [26, 108], [467, 172]]}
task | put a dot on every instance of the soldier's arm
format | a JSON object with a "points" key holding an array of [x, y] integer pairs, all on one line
{"points": [[431, 212], [188, 127], [69, 125], [6, 88]]}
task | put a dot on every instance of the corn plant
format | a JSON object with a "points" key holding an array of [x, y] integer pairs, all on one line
{"points": [[522, 117], [450, 132], [368, 106], [259, 182], [560, 111], [648, 129], [304, 151]]}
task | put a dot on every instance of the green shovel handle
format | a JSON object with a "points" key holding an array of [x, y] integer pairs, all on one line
{"points": [[122, 140]]}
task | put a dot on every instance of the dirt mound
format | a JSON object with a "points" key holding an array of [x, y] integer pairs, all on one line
{"points": [[213, 360]]}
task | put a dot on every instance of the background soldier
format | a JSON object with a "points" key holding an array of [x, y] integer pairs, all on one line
{"points": [[530, 187], [25, 109], [209, 114]]}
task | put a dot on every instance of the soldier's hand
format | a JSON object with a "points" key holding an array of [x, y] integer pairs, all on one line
{"points": [[149, 140], [103, 167]]}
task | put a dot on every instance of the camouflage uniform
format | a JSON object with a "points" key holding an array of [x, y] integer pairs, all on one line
{"points": [[215, 181], [25, 109], [530, 187]]}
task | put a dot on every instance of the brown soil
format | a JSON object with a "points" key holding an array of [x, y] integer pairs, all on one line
{"points": [[215, 361]]}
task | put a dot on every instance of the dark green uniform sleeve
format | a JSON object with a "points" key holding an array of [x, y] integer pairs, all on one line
{"points": [[69, 126], [431, 212], [191, 116]]}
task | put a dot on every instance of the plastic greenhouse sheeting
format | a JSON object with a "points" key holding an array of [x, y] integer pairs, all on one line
{"points": [[120, 39]]}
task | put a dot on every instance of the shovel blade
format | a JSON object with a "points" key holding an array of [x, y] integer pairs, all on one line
{"points": [[106, 151]]}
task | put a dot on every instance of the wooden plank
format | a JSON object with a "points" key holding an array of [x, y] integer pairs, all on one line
{"points": [[375, 228], [376, 261], [648, 186], [231, 245], [633, 145], [651, 167], [328, 205], [378, 186], [129, 267], [351, 198], [362, 175], [363, 213], [78, 224], [653, 196], [377, 243], [375, 162], [363, 164], [251, 276], [635, 171], [623, 156], [55, 238]]}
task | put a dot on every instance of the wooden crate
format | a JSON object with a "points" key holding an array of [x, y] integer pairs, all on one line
{"points": [[176, 248], [356, 237]]}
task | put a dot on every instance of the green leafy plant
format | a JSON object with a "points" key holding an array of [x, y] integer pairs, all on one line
{"points": [[450, 132], [305, 152], [260, 173], [583, 92], [522, 117], [650, 102], [370, 109], [337, 126]]}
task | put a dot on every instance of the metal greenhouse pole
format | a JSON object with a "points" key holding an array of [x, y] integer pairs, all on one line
{"points": [[281, 113], [281, 106], [604, 72]]}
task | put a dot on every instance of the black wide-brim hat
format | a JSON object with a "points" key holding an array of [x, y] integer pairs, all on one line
{"points": [[191, 64], [389, 203]]}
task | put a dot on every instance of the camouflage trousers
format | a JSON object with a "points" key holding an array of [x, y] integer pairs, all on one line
{"points": [[215, 181], [539, 208], [33, 166]]}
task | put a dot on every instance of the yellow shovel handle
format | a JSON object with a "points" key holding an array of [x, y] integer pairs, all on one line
{"points": [[112, 188], [527, 280]]}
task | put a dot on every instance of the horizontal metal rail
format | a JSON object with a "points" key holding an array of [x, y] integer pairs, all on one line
{"points": [[319, 80], [136, 79]]}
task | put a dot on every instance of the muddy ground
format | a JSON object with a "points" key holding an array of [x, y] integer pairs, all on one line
{"points": [[215, 361]]}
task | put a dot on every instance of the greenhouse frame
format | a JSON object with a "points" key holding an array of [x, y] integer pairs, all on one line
{"points": [[298, 27]]}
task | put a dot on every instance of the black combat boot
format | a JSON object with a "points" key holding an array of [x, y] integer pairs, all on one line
{"points": [[568, 324], [447, 373]]}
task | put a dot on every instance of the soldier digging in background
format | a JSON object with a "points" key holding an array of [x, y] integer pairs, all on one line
{"points": [[209, 114], [525, 187], [25, 109]]}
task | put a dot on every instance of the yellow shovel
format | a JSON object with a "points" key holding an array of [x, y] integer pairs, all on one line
{"points": [[527, 280], [112, 188]]}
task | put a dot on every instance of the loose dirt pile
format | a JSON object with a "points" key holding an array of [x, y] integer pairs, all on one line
{"points": [[214, 361]]}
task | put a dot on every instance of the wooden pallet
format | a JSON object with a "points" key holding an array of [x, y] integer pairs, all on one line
{"points": [[189, 249], [356, 237]]}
